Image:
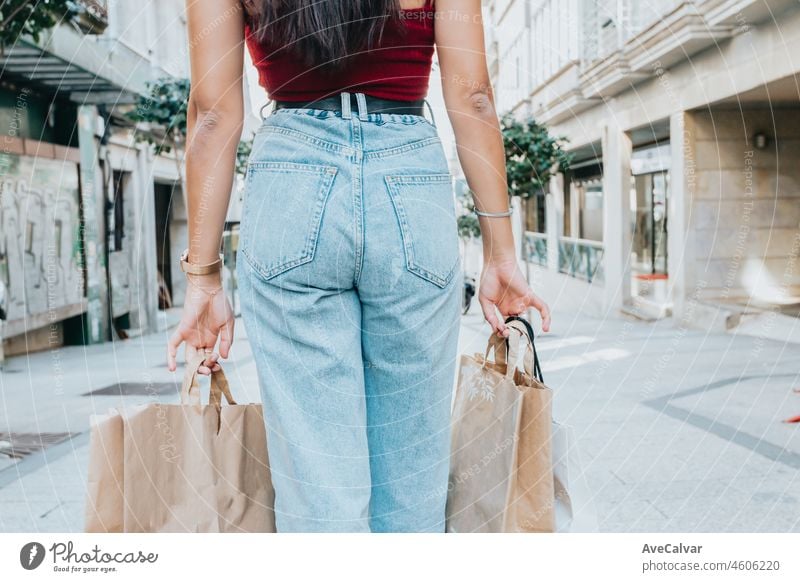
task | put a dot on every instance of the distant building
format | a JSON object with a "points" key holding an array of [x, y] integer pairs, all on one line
{"points": [[91, 222], [684, 120]]}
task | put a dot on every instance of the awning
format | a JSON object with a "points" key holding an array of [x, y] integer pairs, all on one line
{"points": [[33, 66], [84, 67]]}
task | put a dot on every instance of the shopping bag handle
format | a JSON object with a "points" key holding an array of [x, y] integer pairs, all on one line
{"points": [[190, 389], [528, 332], [507, 350]]}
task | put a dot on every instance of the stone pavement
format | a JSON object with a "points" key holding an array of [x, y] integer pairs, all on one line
{"points": [[678, 430]]}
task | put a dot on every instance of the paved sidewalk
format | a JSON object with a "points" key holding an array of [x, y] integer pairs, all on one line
{"points": [[678, 430]]}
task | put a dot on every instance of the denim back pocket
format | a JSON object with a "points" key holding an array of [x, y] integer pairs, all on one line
{"points": [[425, 209], [282, 214]]}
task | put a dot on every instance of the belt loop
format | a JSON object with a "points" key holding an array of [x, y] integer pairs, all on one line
{"points": [[430, 110], [346, 110], [267, 104], [362, 106]]}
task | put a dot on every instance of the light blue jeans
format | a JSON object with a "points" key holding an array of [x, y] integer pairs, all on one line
{"points": [[350, 286]]}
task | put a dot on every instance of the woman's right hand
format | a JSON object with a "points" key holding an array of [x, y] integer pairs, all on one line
{"points": [[503, 288], [207, 318]]}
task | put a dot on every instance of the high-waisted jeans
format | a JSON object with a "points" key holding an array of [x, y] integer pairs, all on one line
{"points": [[350, 286]]}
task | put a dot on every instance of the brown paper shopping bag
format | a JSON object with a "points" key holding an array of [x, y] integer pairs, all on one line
{"points": [[501, 468], [183, 467]]}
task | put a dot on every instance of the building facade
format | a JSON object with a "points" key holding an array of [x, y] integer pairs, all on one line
{"points": [[683, 118], [92, 220]]}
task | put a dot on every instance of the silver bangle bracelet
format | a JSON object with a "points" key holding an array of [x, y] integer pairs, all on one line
{"points": [[494, 214]]}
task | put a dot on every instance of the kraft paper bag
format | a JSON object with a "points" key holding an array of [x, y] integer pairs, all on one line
{"points": [[183, 467], [501, 466]]}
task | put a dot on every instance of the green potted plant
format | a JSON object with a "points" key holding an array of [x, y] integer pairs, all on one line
{"points": [[468, 230], [20, 18], [533, 157], [163, 111]]}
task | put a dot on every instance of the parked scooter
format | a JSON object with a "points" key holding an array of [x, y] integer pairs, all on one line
{"points": [[3, 301], [469, 293]]}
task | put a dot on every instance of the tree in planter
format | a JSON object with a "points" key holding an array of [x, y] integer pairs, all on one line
{"points": [[468, 229], [468, 225], [243, 155], [25, 18], [533, 157], [467, 222], [164, 109]]}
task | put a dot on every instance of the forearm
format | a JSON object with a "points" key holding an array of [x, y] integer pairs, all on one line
{"points": [[479, 144], [210, 161]]}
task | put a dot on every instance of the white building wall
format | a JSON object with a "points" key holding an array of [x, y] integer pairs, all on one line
{"points": [[746, 212], [626, 66], [155, 29], [513, 48]]}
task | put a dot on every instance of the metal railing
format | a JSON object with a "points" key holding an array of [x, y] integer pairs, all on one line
{"points": [[599, 20], [513, 77], [555, 36], [537, 247], [581, 258], [640, 15], [609, 24]]}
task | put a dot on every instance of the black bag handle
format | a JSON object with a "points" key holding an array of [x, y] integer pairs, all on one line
{"points": [[537, 368]]}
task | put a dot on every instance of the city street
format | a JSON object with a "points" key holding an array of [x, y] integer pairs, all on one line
{"points": [[678, 430]]}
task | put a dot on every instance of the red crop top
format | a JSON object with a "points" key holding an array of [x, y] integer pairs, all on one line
{"points": [[399, 68]]}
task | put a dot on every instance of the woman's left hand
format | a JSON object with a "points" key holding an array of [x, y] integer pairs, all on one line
{"points": [[503, 286], [206, 319]]}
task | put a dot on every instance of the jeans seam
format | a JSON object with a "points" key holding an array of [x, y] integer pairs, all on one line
{"points": [[290, 167], [322, 144], [358, 197], [403, 149], [437, 177]]}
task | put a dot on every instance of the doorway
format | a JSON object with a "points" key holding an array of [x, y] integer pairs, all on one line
{"points": [[163, 210], [649, 204]]}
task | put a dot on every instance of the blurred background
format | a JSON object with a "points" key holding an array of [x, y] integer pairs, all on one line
{"points": [[662, 224]]}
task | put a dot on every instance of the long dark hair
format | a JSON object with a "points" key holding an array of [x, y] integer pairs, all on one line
{"points": [[321, 32]]}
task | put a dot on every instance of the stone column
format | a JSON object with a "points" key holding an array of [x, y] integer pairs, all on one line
{"points": [[617, 149], [145, 289], [574, 211], [517, 228], [2, 335], [555, 219], [93, 215], [680, 235]]}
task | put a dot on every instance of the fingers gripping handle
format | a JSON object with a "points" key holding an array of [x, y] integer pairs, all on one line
{"points": [[526, 329], [517, 351], [190, 389], [507, 350]]}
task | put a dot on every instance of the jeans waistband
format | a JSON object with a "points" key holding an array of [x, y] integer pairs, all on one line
{"points": [[363, 104]]}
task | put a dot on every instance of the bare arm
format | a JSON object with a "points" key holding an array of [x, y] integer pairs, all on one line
{"points": [[214, 123], [215, 117], [470, 106]]}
